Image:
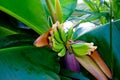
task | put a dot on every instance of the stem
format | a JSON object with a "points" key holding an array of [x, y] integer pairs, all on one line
{"points": [[111, 35], [58, 10], [52, 10]]}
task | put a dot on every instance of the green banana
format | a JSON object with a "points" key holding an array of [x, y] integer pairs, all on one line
{"points": [[56, 46], [57, 39], [81, 49], [69, 33], [57, 36], [62, 52], [62, 33]]}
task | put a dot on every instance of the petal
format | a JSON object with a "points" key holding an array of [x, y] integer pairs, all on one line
{"points": [[71, 63], [42, 40], [99, 61], [92, 67]]}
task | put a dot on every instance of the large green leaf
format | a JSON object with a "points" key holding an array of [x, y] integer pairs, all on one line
{"points": [[29, 12], [20, 60], [101, 37], [28, 63]]}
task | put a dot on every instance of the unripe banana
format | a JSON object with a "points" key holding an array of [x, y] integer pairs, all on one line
{"points": [[69, 33], [57, 36], [81, 49], [62, 33], [62, 52], [56, 46]]}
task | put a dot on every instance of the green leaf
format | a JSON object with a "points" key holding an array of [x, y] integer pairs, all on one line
{"points": [[22, 61], [72, 74], [64, 78], [98, 6], [19, 40], [101, 37], [29, 12], [28, 63], [95, 17], [68, 6], [93, 7], [5, 32], [16, 40], [92, 16], [116, 11], [10, 25], [81, 31]]}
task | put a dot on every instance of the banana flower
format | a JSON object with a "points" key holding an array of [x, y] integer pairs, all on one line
{"points": [[85, 53]]}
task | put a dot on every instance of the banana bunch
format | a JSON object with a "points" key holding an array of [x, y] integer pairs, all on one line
{"points": [[82, 48], [60, 41], [58, 38]]}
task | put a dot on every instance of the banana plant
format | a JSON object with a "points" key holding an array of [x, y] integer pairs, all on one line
{"points": [[32, 62]]}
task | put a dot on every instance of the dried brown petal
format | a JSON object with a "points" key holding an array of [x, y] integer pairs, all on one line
{"points": [[42, 40]]}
